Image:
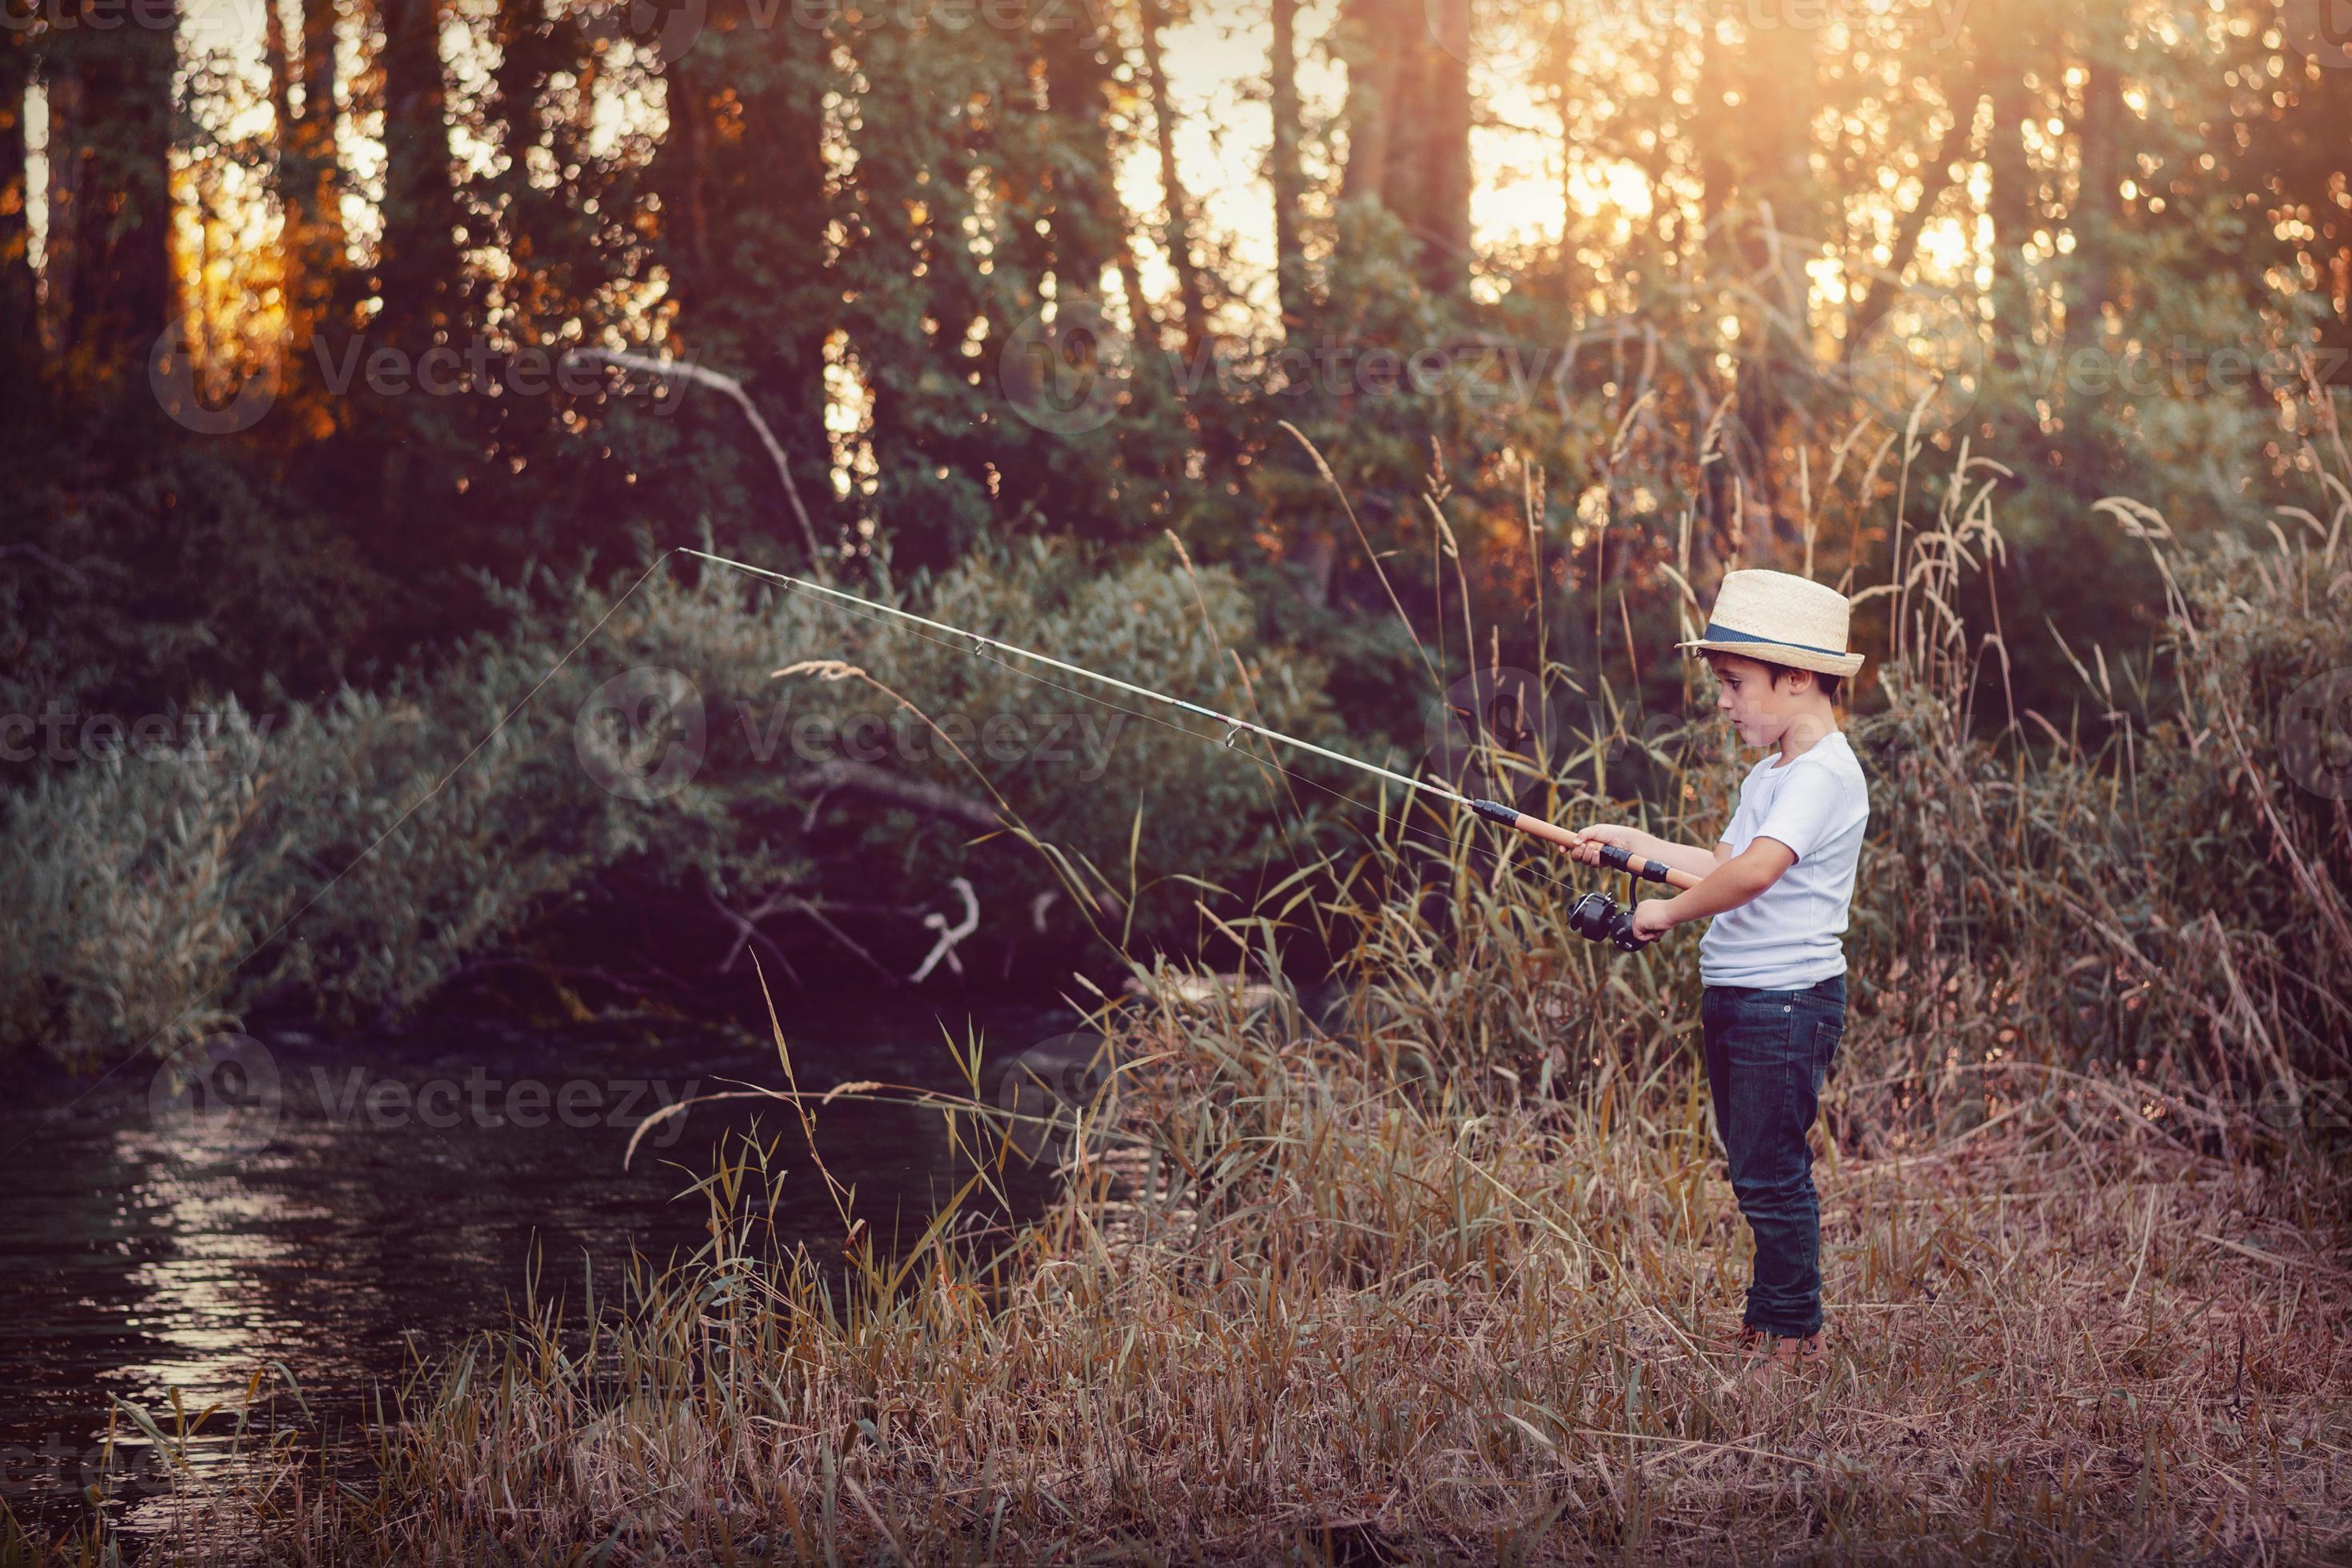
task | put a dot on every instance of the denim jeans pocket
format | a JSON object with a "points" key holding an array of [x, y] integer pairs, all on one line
{"points": [[1827, 1032], [1762, 1030]]}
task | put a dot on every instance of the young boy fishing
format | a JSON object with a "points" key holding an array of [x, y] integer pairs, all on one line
{"points": [[1776, 889]]}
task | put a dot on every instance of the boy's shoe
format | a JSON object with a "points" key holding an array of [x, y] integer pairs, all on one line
{"points": [[1804, 1354], [1744, 1341], [1764, 1353]]}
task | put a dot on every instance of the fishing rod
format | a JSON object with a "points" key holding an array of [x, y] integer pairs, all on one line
{"points": [[1595, 917]]}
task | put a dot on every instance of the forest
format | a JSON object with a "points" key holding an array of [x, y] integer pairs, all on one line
{"points": [[334, 331], [471, 465]]}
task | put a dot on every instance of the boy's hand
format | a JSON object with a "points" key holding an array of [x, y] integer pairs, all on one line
{"points": [[1600, 833], [1650, 920]]}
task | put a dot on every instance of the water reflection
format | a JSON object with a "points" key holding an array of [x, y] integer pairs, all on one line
{"points": [[402, 1191]]}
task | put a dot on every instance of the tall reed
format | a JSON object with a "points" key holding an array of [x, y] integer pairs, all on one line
{"points": [[1439, 1276]]}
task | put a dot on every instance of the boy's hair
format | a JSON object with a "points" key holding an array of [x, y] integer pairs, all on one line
{"points": [[1828, 684]]}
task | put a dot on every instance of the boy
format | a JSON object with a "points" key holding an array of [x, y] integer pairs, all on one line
{"points": [[1776, 888]]}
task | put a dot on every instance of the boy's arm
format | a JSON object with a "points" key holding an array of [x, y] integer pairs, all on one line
{"points": [[1690, 858], [1739, 879]]}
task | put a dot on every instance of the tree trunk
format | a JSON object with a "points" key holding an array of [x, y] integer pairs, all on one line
{"points": [[744, 210], [1934, 179], [1076, 48], [1375, 61], [530, 215], [1780, 231], [2009, 201], [2098, 203], [1443, 218], [1289, 180], [112, 209], [307, 178], [1178, 240], [418, 275], [20, 326]]}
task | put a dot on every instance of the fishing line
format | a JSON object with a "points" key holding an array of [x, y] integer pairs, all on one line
{"points": [[976, 646]]}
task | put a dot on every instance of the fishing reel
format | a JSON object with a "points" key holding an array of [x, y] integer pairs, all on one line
{"points": [[1597, 917]]}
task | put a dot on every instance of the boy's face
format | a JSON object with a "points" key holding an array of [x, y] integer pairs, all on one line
{"points": [[1758, 707]]}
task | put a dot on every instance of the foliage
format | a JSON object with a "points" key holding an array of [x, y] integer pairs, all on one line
{"points": [[1466, 1233], [352, 856]]}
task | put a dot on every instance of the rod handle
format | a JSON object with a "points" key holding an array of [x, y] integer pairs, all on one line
{"points": [[1503, 815], [1611, 855], [1619, 858]]}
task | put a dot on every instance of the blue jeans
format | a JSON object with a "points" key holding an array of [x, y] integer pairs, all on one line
{"points": [[1766, 1055]]}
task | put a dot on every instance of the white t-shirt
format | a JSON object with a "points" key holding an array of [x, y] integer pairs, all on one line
{"points": [[1789, 937]]}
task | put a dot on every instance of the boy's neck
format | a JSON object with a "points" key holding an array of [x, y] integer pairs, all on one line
{"points": [[1805, 731]]}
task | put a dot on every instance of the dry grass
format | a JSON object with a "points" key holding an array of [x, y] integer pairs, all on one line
{"points": [[1361, 1319], [1439, 1281]]}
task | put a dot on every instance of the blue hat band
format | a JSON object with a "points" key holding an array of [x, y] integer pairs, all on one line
{"points": [[1714, 633]]}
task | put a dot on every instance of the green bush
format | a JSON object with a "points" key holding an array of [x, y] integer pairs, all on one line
{"points": [[355, 854]]}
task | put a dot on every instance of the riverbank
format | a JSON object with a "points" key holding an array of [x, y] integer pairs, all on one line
{"points": [[1435, 1274], [1361, 1316]]}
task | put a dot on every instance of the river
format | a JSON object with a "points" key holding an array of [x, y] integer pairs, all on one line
{"points": [[351, 1209]]}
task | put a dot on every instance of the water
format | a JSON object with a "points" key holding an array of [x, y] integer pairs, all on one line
{"points": [[343, 1209]]}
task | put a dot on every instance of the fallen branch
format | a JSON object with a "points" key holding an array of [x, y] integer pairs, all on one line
{"points": [[897, 789]]}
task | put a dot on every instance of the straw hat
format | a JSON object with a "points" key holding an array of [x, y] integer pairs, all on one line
{"points": [[1779, 619]]}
